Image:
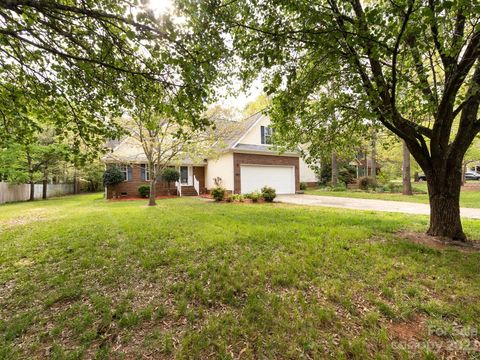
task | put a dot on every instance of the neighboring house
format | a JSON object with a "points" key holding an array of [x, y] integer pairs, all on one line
{"points": [[363, 165], [246, 161]]}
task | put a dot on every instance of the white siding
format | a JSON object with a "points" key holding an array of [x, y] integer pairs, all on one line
{"points": [[221, 167], [306, 173], [253, 137]]}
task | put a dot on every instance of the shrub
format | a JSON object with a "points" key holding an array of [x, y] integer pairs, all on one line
{"points": [[254, 196], [144, 191], [393, 187], [366, 183], [112, 176], [268, 193], [339, 187], [218, 193], [229, 198], [347, 174], [170, 175], [237, 197], [303, 186]]}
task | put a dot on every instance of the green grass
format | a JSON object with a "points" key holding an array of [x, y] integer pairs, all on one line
{"points": [[84, 278], [468, 198]]}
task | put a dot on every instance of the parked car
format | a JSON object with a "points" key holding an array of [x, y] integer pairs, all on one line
{"points": [[472, 175], [422, 177]]}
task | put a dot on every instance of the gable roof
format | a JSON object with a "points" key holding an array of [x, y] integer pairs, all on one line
{"points": [[230, 132]]}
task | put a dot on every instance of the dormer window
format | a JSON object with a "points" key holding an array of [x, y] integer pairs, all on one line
{"points": [[266, 135]]}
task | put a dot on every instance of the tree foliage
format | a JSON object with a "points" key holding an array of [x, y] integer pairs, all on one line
{"points": [[71, 59], [412, 65]]}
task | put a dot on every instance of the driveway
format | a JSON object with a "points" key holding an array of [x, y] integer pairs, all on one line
{"points": [[368, 204]]}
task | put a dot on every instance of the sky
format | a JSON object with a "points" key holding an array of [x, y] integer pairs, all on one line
{"points": [[160, 6], [243, 98]]}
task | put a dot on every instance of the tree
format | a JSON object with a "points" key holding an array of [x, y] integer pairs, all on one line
{"points": [[32, 160], [75, 56], [261, 103], [406, 176], [413, 65], [169, 126], [334, 169], [92, 173], [112, 176], [170, 175]]}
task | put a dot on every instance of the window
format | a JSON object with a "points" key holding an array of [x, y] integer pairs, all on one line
{"points": [[127, 172], [266, 135], [144, 172]]}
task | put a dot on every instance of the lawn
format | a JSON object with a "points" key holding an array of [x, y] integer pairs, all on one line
{"points": [[84, 278], [468, 198]]}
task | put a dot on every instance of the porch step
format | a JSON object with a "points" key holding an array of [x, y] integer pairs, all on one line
{"points": [[189, 191]]}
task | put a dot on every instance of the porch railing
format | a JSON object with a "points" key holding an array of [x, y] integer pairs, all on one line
{"points": [[178, 184], [196, 185]]}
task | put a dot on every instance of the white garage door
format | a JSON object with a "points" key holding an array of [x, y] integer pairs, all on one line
{"points": [[254, 177]]}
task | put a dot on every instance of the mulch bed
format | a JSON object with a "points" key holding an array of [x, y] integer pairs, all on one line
{"points": [[438, 242], [130, 198]]}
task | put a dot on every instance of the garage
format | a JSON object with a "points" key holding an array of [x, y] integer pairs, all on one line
{"points": [[254, 177]]}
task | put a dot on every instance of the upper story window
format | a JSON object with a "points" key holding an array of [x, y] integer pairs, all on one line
{"points": [[144, 172], [266, 135], [126, 171]]}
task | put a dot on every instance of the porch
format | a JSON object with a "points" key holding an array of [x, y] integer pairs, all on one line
{"points": [[192, 180]]}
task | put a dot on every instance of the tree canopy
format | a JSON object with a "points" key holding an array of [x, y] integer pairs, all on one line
{"points": [[72, 59], [412, 65]]}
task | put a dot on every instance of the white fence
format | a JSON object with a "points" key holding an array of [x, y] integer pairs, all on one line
{"points": [[10, 192]]}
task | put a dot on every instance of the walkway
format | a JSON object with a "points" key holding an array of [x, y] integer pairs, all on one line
{"points": [[368, 204]]}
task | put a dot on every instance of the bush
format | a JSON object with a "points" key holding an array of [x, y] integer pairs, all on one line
{"points": [[268, 193], [144, 191], [170, 175], [112, 176], [347, 174], [303, 186], [229, 198], [254, 196], [340, 187], [218, 193], [237, 197], [367, 183], [394, 187]]}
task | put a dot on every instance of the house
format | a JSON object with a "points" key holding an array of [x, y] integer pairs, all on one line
{"points": [[364, 164], [245, 162]]}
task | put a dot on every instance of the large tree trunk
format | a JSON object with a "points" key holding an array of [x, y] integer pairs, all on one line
{"points": [[444, 197], [151, 197], [334, 169], [44, 188], [406, 178], [44, 183], [32, 190], [373, 170], [75, 181]]}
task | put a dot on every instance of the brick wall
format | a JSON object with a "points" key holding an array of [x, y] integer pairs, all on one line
{"points": [[162, 189], [254, 159]]}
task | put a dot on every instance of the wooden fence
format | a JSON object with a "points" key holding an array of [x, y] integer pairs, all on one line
{"points": [[21, 192]]}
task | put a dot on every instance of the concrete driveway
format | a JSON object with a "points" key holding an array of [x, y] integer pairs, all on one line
{"points": [[368, 204]]}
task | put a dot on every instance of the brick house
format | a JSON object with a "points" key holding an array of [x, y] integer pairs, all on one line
{"points": [[246, 162]]}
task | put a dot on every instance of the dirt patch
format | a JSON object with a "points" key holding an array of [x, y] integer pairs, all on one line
{"points": [[413, 329], [437, 242], [27, 218]]}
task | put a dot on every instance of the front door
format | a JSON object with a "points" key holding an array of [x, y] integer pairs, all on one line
{"points": [[184, 175]]}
